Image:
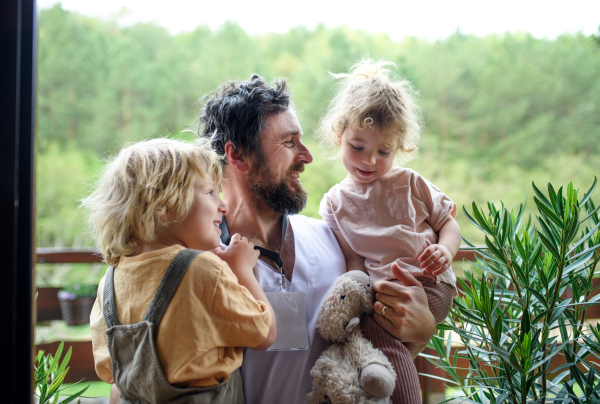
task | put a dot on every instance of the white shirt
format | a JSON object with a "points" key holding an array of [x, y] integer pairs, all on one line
{"points": [[284, 376]]}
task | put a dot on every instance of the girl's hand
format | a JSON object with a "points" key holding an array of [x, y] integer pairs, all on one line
{"points": [[240, 255], [407, 316], [436, 259]]}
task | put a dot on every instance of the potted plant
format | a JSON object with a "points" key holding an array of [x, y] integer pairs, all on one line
{"points": [[521, 313], [76, 302]]}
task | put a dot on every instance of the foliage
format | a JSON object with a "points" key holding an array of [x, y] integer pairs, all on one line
{"points": [[50, 373], [497, 109], [525, 304], [78, 290]]}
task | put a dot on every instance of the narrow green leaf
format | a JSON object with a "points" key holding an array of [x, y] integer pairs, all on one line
{"points": [[560, 203], [589, 193], [549, 231], [538, 296], [584, 238], [552, 195], [590, 214], [572, 225], [548, 213], [476, 223], [541, 196], [57, 382], [587, 250], [439, 378], [558, 310], [495, 251], [65, 361], [577, 263], [74, 396], [54, 362], [550, 246]]}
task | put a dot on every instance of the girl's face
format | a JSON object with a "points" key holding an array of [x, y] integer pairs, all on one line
{"points": [[365, 155]]}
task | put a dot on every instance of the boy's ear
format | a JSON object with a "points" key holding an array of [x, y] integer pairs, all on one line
{"points": [[235, 158]]}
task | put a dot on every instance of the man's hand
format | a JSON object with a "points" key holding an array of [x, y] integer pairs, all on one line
{"points": [[240, 256], [407, 317], [436, 259]]}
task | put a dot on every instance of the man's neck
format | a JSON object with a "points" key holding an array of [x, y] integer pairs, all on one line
{"points": [[251, 218]]}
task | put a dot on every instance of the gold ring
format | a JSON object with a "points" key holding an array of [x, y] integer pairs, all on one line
{"points": [[385, 307]]}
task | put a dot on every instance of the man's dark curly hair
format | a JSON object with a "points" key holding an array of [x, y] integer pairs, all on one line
{"points": [[238, 112]]}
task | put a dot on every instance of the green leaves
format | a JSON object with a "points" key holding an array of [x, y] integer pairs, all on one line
{"points": [[513, 316], [50, 374]]}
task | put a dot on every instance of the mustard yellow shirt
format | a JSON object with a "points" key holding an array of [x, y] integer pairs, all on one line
{"points": [[200, 338]]}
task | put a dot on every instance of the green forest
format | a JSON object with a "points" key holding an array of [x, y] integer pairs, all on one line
{"points": [[499, 111]]}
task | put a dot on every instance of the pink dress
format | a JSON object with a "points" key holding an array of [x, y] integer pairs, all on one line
{"points": [[392, 219]]}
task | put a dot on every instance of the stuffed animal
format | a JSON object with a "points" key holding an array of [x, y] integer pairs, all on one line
{"points": [[351, 370]]}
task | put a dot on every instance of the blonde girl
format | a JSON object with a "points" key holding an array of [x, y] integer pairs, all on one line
{"points": [[387, 217]]}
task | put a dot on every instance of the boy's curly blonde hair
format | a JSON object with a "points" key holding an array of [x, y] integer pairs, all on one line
{"points": [[145, 187], [369, 97]]}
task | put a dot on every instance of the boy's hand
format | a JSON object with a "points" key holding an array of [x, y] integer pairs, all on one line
{"points": [[240, 255], [436, 259]]}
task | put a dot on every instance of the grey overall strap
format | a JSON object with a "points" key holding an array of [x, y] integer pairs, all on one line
{"points": [[169, 284], [109, 311]]}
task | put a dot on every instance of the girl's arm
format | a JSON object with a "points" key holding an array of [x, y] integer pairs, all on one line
{"points": [[354, 261], [437, 258]]}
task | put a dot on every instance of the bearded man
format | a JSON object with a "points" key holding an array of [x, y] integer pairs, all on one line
{"points": [[254, 125]]}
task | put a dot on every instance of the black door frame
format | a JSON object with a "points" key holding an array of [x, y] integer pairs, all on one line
{"points": [[18, 51]]}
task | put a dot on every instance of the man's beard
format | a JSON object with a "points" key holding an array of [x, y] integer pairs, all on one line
{"points": [[277, 195]]}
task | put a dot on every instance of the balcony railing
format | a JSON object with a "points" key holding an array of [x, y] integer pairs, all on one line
{"points": [[82, 362]]}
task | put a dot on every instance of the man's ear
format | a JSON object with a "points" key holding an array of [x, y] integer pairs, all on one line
{"points": [[235, 158]]}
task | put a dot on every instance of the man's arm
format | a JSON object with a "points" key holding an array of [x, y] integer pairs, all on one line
{"points": [[407, 318]]}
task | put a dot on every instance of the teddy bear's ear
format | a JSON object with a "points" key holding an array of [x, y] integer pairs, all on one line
{"points": [[354, 322]]}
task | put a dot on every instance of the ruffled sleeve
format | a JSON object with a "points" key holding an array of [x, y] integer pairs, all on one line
{"points": [[326, 212], [439, 206]]}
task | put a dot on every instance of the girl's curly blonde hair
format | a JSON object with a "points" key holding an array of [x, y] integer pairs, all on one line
{"points": [[145, 187], [371, 98]]}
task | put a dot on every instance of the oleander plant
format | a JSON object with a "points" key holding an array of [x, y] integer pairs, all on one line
{"points": [[50, 373], [519, 320]]}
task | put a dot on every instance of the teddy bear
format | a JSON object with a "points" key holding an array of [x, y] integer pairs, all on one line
{"points": [[351, 370]]}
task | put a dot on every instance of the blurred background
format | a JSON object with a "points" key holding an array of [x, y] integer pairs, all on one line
{"points": [[510, 91], [501, 109]]}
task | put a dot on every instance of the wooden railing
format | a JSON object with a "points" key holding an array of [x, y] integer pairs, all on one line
{"points": [[90, 255], [82, 361]]}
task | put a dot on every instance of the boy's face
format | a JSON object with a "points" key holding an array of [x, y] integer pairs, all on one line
{"points": [[200, 228], [365, 155]]}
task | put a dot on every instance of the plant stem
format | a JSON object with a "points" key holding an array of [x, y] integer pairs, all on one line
{"points": [[557, 287]]}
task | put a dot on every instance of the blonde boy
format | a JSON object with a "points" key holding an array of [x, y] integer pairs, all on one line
{"points": [[156, 201]]}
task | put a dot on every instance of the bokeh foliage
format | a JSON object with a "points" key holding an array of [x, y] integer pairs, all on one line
{"points": [[523, 306], [499, 111]]}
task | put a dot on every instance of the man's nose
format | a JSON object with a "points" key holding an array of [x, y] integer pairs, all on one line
{"points": [[223, 208], [304, 154]]}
